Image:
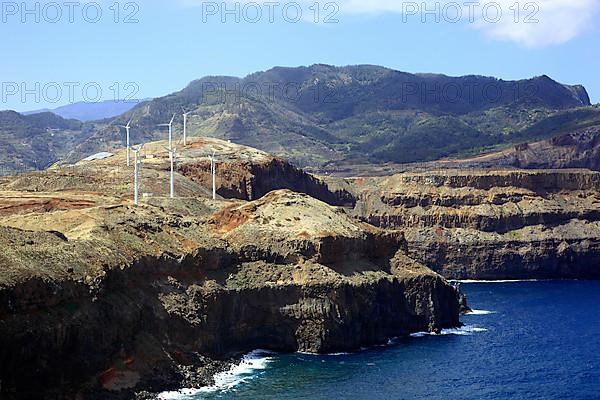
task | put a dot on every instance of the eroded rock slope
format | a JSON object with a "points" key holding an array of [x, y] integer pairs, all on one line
{"points": [[101, 299]]}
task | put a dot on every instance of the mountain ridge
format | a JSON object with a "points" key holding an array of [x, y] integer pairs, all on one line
{"points": [[320, 116]]}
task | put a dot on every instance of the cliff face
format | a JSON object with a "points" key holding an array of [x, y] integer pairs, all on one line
{"points": [[492, 224], [98, 296], [580, 94], [248, 180]]}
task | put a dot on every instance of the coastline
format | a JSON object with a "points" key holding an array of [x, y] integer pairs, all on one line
{"points": [[225, 278], [256, 361], [471, 281]]}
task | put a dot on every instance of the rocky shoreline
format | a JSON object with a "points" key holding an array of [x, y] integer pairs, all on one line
{"points": [[100, 299]]}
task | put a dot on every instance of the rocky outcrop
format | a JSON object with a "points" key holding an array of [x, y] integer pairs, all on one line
{"points": [[102, 301], [509, 224], [251, 180]]}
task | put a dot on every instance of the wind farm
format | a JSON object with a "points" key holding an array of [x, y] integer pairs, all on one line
{"points": [[183, 197], [172, 151], [184, 172]]}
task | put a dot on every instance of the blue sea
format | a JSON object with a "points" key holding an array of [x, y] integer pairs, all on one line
{"points": [[525, 340]]}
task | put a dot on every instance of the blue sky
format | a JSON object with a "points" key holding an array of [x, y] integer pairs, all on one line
{"points": [[176, 42]]}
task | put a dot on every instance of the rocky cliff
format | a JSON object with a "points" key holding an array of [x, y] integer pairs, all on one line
{"points": [[250, 178], [101, 299], [508, 224]]}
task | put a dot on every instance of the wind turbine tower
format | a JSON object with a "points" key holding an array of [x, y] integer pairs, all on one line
{"points": [[127, 128], [170, 125], [213, 171], [185, 115], [136, 181], [172, 155]]}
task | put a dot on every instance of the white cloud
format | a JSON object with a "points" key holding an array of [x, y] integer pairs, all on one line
{"points": [[539, 23], [536, 23], [543, 22]]}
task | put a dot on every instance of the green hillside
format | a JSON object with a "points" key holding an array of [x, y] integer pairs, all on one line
{"points": [[37, 141], [322, 115]]}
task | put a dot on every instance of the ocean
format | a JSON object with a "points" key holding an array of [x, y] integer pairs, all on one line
{"points": [[525, 340]]}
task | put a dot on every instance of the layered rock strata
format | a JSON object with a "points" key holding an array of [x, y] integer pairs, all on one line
{"points": [[504, 224], [100, 299]]}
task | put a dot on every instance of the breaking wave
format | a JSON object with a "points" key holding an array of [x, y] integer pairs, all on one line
{"points": [[480, 312], [246, 370], [498, 281], [463, 331]]}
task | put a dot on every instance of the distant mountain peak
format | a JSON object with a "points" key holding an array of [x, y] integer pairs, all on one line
{"points": [[91, 111]]}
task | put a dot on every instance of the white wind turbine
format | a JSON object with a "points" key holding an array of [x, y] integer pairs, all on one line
{"points": [[136, 181], [127, 128], [172, 155], [213, 171], [185, 115], [170, 125]]}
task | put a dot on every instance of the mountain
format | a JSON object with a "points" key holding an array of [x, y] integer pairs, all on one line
{"points": [[330, 118], [30, 142], [321, 115], [88, 111]]}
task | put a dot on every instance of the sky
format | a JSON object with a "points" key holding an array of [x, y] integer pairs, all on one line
{"points": [[55, 53]]}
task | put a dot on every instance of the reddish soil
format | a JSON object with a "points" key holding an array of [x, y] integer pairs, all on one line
{"points": [[14, 205], [228, 219]]}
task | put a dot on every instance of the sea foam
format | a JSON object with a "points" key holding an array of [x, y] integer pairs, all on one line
{"points": [[246, 370], [463, 331], [480, 312], [498, 281]]}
